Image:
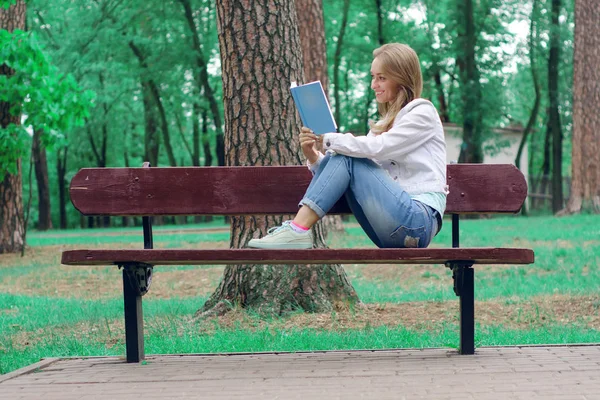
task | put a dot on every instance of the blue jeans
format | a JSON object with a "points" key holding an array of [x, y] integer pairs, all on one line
{"points": [[388, 215]]}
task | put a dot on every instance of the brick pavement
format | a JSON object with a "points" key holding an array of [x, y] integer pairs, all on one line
{"points": [[553, 372]]}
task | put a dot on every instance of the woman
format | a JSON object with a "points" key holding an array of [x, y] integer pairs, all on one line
{"points": [[394, 179]]}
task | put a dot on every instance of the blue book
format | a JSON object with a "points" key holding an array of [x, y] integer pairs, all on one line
{"points": [[313, 107]]}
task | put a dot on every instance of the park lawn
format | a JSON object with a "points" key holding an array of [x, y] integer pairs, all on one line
{"points": [[49, 310]]}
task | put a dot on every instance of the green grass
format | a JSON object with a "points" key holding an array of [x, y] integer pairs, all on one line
{"points": [[163, 239], [567, 254], [216, 223]]}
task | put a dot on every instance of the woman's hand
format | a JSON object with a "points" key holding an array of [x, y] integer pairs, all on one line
{"points": [[310, 144]]}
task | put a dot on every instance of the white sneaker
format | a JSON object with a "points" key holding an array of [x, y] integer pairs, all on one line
{"points": [[283, 237]]}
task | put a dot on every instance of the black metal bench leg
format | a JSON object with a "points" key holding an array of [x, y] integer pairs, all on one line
{"points": [[464, 287], [137, 278], [467, 312], [134, 321]]}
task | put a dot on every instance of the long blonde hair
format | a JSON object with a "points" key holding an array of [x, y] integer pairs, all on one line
{"points": [[401, 65]]}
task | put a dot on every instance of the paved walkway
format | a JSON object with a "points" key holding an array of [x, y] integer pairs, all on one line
{"points": [[493, 373]]}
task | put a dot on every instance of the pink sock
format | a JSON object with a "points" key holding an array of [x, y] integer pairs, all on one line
{"points": [[299, 228]]}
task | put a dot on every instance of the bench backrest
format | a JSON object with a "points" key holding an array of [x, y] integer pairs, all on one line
{"points": [[474, 188]]}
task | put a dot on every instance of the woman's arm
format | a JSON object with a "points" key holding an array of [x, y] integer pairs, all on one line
{"points": [[409, 133]]}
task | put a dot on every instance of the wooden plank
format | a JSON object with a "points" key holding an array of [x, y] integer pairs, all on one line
{"points": [[313, 256], [474, 188]]}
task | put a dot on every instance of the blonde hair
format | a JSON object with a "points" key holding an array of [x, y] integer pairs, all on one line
{"points": [[401, 65]]}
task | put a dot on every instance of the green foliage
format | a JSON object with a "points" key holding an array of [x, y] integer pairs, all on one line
{"points": [[90, 41], [48, 100], [7, 3]]}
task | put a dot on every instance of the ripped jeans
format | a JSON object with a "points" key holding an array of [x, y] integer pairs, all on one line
{"points": [[387, 214]]}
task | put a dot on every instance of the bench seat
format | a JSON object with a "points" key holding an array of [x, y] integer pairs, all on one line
{"points": [[482, 255]]}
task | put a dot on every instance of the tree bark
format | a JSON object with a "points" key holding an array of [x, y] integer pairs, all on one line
{"points": [[311, 27], [554, 124], [40, 163], [202, 81], [260, 52], [585, 183], [471, 151], [12, 227], [11, 210]]}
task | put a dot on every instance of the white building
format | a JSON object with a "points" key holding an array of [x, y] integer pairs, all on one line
{"points": [[492, 155]]}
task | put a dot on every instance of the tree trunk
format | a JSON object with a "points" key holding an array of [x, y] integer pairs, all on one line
{"points": [[536, 84], [471, 151], [444, 115], [61, 172], [100, 150], [367, 104], [546, 162], [337, 59], [151, 142], [100, 154], [585, 185], [40, 163], [260, 52], [12, 227], [202, 81], [380, 37], [155, 93], [164, 123], [311, 27], [202, 136], [554, 115], [11, 210], [181, 130], [206, 140], [196, 134]]}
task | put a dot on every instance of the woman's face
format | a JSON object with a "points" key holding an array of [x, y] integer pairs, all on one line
{"points": [[385, 89]]}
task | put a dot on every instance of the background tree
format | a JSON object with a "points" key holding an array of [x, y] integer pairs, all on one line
{"points": [[261, 55], [471, 151], [49, 101], [11, 203], [585, 185], [202, 80], [554, 127], [533, 35], [311, 28], [337, 59], [40, 162]]}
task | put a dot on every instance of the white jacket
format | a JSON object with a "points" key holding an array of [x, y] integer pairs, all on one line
{"points": [[413, 151]]}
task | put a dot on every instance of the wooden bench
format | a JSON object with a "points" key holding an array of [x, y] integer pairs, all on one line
{"points": [[146, 192]]}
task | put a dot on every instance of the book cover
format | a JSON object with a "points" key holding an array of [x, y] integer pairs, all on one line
{"points": [[313, 107]]}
